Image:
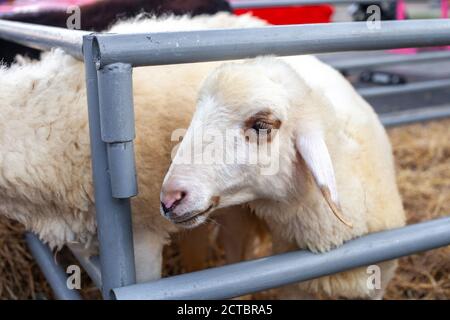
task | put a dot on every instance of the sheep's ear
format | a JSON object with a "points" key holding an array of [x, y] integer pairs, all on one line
{"points": [[314, 152]]}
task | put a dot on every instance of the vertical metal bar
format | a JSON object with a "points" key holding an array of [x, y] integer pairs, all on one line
{"points": [[117, 126], [113, 215], [54, 274]]}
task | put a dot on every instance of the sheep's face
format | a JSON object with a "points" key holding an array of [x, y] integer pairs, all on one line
{"points": [[241, 144]]}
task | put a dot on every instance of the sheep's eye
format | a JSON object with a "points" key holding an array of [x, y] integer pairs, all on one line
{"points": [[261, 125]]}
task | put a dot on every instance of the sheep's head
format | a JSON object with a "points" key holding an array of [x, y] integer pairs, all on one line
{"points": [[254, 130]]}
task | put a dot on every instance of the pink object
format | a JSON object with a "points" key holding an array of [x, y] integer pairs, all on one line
{"points": [[401, 15], [19, 6], [444, 9], [444, 14], [401, 9]]}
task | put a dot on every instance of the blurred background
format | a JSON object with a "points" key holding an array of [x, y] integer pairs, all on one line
{"points": [[395, 82]]}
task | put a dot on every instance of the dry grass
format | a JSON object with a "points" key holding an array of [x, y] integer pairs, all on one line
{"points": [[422, 154], [20, 277]]}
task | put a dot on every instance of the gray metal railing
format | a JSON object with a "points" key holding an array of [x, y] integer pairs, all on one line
{"points": [[109, 60], [265, 273], [404, 88], [255, 4], [55, 275], [361, 63], [43, 37], [227, 44]]}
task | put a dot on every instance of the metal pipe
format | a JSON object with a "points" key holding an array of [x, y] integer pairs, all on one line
{"points": [[43, 37], [404, 88], [54, 274], [116, 103], [117, 127], [255, 4], [122, 169], [384, 60], [265, 273], [113, 215], [225, 44], [91, 264], [398, 118]]}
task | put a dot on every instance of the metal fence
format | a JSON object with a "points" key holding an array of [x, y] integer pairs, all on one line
{"points": [[109, 60]]}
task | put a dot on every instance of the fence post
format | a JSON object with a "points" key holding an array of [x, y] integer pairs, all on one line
{"points": [[113, 214]]}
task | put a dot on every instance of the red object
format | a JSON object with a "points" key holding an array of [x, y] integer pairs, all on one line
{"points": [[292, 15]]}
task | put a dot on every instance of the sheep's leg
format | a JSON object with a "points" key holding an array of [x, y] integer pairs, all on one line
{"points": [[388, 269], [194, 246], [148, 248], [241, 234]]}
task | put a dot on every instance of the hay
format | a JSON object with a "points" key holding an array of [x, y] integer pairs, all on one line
{"points": [[20, 277], [422, 153]]}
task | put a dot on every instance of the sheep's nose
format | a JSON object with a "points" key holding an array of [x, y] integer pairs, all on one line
{"points": [[171, 199]]}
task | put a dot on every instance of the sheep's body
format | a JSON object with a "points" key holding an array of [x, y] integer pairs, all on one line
{"points": [[364, 167], [45, 179]]}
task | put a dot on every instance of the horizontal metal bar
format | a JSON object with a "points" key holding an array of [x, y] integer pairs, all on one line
{"points": [[91, 264], [43, 37], [54, 274], [255, 4], [261, 274], [404, 88], [398, 118], [225, 44], [384, 60]]}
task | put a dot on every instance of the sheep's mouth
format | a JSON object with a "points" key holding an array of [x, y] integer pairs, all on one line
{"points": [[192, 220]]}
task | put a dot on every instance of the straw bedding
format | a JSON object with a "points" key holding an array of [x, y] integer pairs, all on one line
{"points": [[422, 153]]}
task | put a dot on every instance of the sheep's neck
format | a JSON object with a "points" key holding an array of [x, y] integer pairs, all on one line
{"points": [[305, 222]]}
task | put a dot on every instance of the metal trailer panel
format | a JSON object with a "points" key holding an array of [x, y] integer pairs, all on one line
{"points": [[265, 273], [404, 88], [54, 274], [361, 63], [255, 4], [225, 44], [113, 215], [393, 119], [43, 37]]}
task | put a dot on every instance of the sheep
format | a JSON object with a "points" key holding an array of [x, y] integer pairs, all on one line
{"points": [[45, 180], [328, 178]]}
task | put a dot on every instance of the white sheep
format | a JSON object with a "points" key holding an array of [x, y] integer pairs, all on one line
{"points": [[331, 176], [45, 177]]}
